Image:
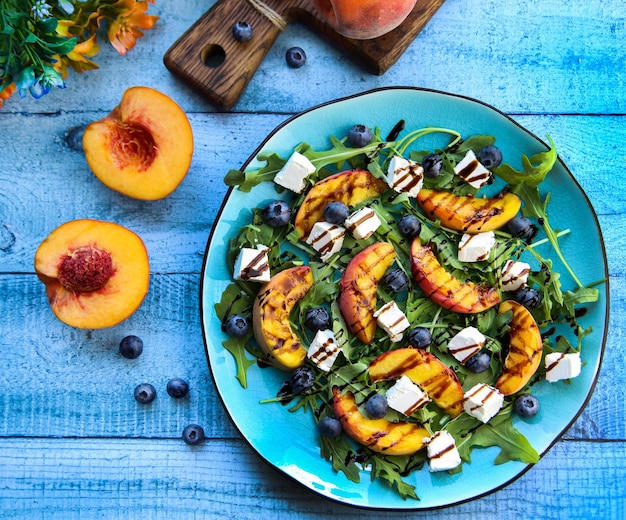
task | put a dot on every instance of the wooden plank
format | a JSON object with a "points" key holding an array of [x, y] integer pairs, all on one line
{"points": [[533, 57], [38, 170], [111, 478], [41, 355]]}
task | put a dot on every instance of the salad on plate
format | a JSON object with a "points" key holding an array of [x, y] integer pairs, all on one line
{"points": [[404, 294]]}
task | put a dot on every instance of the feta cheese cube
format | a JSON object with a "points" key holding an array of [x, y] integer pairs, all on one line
{"points": [[466, 343], [483, 402], [476, 248], [362, 223], [442, 452], [472, 171], [324, 350], [406, 397], [514, 275], [326, 238], [392, 320], [405, 176], [562, 366], [252, 265], [293, 173]]}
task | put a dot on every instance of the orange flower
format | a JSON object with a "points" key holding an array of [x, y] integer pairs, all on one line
{"points": [[7, 92], [124, 29]]}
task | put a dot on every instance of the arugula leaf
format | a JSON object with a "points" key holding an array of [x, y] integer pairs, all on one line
{"points": [[534, 170], [499, 432], [249, 179], [390, 469], [236, 346], [339, 451]]}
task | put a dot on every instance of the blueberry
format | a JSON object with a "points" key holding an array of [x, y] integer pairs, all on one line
{"points": [[329, 427], [521, 227], [359, 136], [528, 297], [420, 337], [193, 434], [335, 212], [277, 213], [301, 379], [145, 393], [376, 406], [527, 405], [409, 226], [478, 362], [242, 31], [236, 325], [177, 388], [131, 347], [317, 319], [396, 280], [432, 165], [490, 156], [295, 57]]}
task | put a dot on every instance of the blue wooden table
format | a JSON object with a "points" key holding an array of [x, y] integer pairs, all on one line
{"points": [[74, 443]]}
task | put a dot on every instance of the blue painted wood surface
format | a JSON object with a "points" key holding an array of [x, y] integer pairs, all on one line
{"points": [[73, 442]]}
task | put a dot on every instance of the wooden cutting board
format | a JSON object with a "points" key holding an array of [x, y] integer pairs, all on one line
{"points": [[220, 67]]}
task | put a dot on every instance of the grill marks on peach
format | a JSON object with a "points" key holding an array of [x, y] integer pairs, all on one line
{"points": [[380, 435], [350, 187], [469, 214], [525, 349], [270, 316], [425, 370], [358, 287], [443, 288]]}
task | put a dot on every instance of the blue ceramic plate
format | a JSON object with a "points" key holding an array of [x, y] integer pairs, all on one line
{"points": [[289, 440]]}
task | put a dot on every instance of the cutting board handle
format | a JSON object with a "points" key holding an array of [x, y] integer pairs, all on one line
{"points": [[209, 56]]}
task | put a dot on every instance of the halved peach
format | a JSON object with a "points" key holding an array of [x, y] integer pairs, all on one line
{"points": [[96, 273], [358, 286], [467, 213], [443, 288], [143, 148], [350, 187], [525, 348], [270, 316], [426, 370], [379, 435]]}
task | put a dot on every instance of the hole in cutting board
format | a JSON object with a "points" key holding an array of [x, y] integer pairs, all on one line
{"points": [[213, 55]]}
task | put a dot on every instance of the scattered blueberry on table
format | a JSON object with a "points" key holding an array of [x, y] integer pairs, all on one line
{"points": [[145, 393], [296, 57], [131, 347], [177, 388], [193, 434]]}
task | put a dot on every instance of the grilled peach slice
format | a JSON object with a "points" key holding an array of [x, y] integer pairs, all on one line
{"points": [[350, 187], [96, 273], [270, 316], [525, 347], [443, 288], [380, 435], [467, 213], [358, 286], [425, 370]]}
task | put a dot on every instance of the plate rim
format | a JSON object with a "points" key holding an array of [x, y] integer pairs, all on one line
{"points": [[607, 305]]}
